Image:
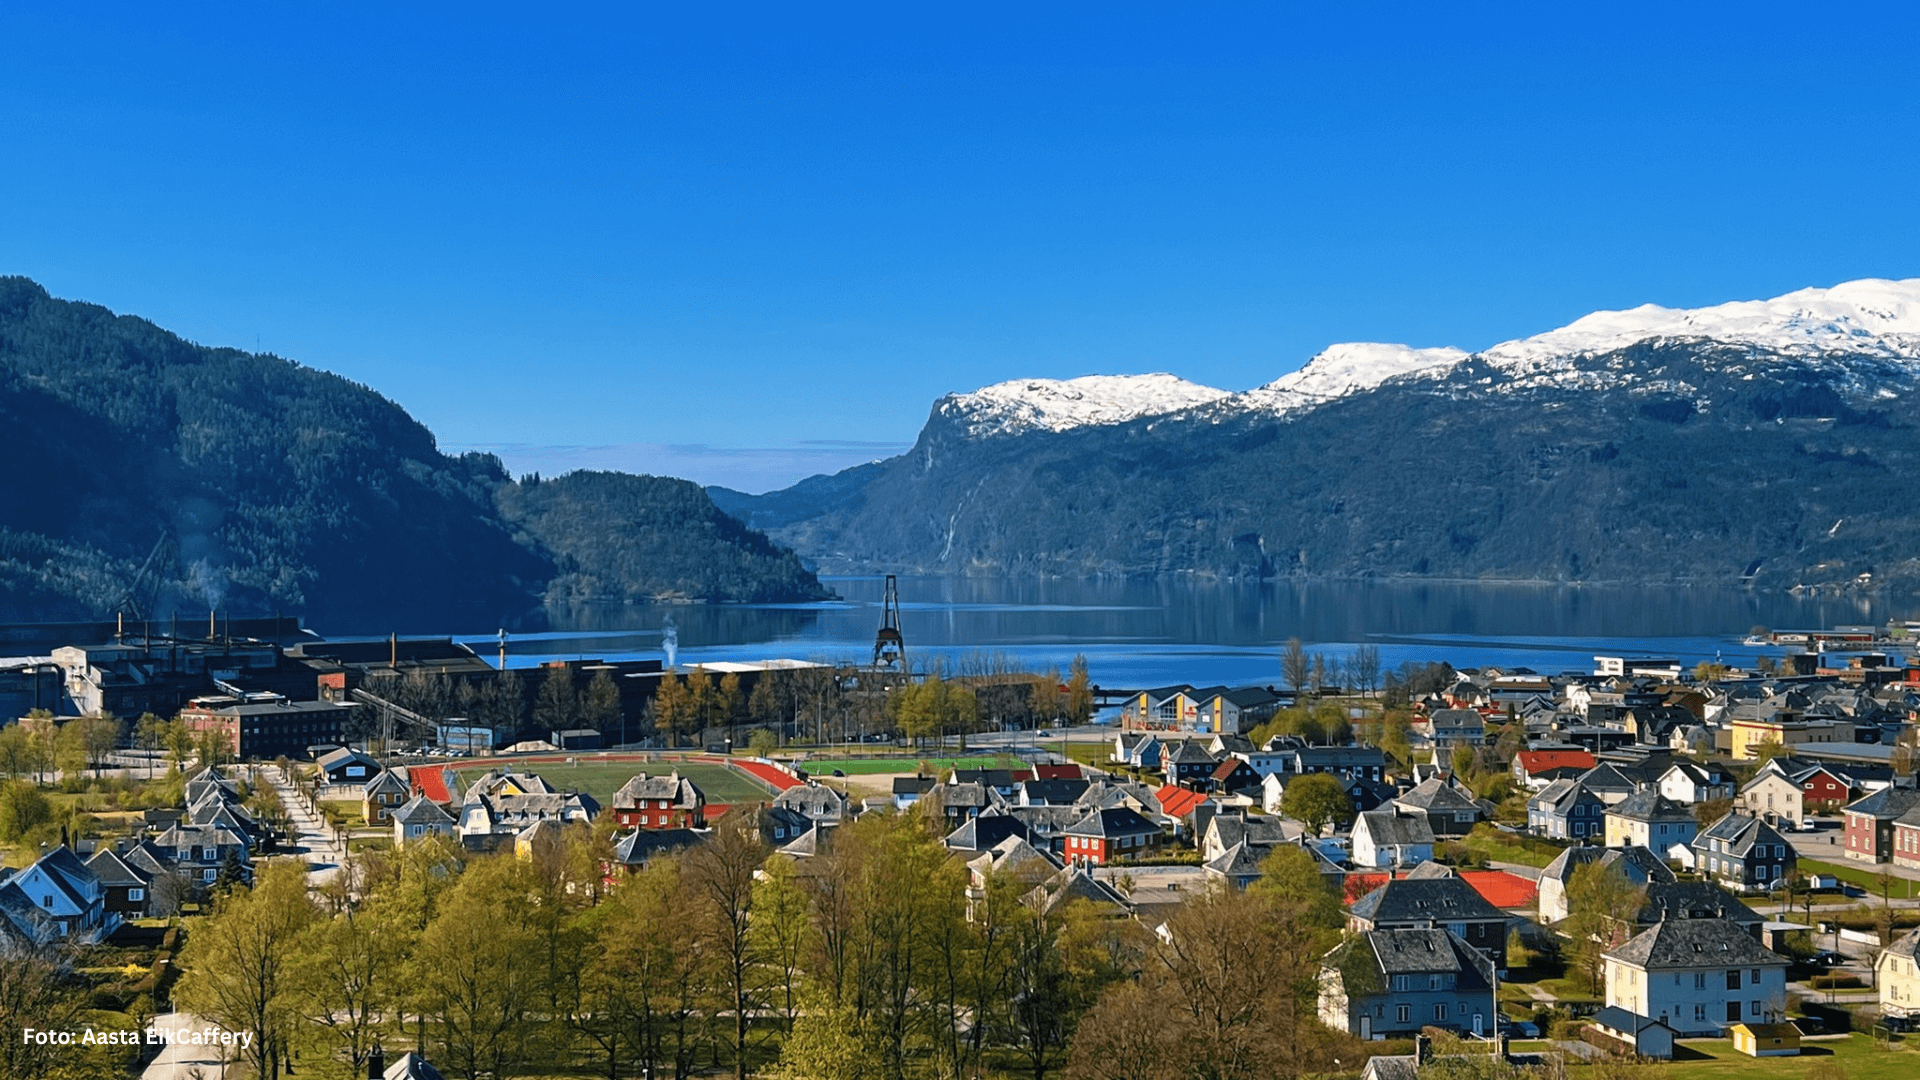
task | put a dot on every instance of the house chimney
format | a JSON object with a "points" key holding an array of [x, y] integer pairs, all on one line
{"points": [[377, 1063]]}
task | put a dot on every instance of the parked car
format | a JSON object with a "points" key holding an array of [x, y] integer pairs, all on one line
{"points": [[1829, 959]]}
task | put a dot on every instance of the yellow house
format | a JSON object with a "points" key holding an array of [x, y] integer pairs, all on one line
{"points": [[1747, 734], [1898, 971], [1765, 1040]]}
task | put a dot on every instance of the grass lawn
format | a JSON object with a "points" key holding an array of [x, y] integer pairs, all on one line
{"points": [[1496, 846], [1903, 888], [1094, 754], [719, 783], [1716, 1059]]}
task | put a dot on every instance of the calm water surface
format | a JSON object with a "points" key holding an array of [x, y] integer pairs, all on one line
{"points": [[1138, 632]]}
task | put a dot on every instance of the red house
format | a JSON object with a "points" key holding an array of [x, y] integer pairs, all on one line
{"points": [[1825, 792], [1869, 836], [659, 802], [1106, 836]]}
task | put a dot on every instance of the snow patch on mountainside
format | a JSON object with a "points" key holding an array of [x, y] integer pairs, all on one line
{"points": [[1341, 370], [1872, 317], [1010, 408]]}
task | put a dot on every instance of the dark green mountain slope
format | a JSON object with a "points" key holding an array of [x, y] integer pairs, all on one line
{"points": [[633, 538], [241, 481], [1775, 469]]}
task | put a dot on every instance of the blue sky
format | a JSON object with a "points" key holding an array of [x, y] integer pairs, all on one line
{"points": [[743, 244]]}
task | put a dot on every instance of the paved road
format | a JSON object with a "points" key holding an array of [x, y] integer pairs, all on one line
{"points": [[312, 836], [179, 1061]]}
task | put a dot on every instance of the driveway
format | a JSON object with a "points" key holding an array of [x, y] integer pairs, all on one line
{"points": [[181, 1061]]}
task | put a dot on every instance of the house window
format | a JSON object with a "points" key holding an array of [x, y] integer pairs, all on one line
{"points": [[1733, 980], [136, 894], [1756, 976], [1699, 980], [1433, 982], [1699, 1011], [208, 875], [1440, 1011], [1753, 1007], [1401, 983], [1403, 1013]]}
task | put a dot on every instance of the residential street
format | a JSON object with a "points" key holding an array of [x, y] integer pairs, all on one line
{"points": [[311, 835]]}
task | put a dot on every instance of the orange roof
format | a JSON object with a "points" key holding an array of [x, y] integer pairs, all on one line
{"points": [[1176, 801], [431, 781], [714, 811], [1501, 889], [1533, 761]]}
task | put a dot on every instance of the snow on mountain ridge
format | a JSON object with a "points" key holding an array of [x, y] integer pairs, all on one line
{"points": [[1872, 317], [1059, 404], [1344, 369]]}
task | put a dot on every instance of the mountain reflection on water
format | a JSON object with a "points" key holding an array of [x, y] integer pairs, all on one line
{"points": [[1138, 632]]}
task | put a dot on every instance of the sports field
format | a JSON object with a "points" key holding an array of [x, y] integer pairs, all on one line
{"points": [[903, 765], [719, 783]]}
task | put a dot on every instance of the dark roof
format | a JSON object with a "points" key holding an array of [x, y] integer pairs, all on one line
{"points": [[1885, 803], [1114, 821], [1424, 901], [1438, 795], [1615, 1018], [1054, 792], [114, 871], [1191, 753], [643, 844], [1740, 832], [913, 785], [1387, 827], [1649, 805], [1694, 900], [1695, 943], [983, 832]]}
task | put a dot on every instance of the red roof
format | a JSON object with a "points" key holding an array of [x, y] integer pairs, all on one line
{"points": [[1068, 771], [1497, 887], [1176, 801], [1536, 761], [714, 811], [1502, 890], [431, 781]]}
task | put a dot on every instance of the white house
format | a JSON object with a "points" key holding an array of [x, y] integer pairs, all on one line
{"points": [[1698, 977], [1384, 839]]}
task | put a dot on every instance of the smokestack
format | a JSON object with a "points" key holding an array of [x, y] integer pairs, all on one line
{"points": [[212, 631], [393, 649]]}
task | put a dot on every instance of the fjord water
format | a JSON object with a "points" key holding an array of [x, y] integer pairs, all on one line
{"points": [[1146, 632]]}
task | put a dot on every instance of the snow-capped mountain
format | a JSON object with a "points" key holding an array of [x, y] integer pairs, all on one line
{"points": [[1010, 408], [1763, 444], [1874, 319]]}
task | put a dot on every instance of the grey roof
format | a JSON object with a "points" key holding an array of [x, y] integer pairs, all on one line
{"points": [[674, 788], [1075, 883], [113, 871], [1391, 1067], [1113, 821], [1740, 832], [1191, 753], [1240, 860], [1608, 776], [1407, 952], [643, 844], [1053, 792], [1645, 865], [1886, 803], [913, 785], [411, 1066], [1695, 943], [1649, 805], [1430, 870], [1615, 1018], [1907, 945], [815, 800], [1017, 857], [984, 831], [1561, 795], [1438, 795], [1673, 900], [421, 810], [1230, 829], [342, 755], [1387, 827], [1423, 901]]}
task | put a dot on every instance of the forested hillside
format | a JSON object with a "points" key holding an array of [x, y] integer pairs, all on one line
{"points": [[252, 483], [616, 536]]}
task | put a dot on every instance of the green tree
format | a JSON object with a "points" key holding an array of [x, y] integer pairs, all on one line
{"points": [[782, 932], [601, 709], [150, 735], [1291, 878], [344, 981], [832, 1040], [236, 966], [1603, 905], [1079, 691], [22, 809], [557, 706], [1316, 800], [672, 709], [720, 879], [476, 979]]}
